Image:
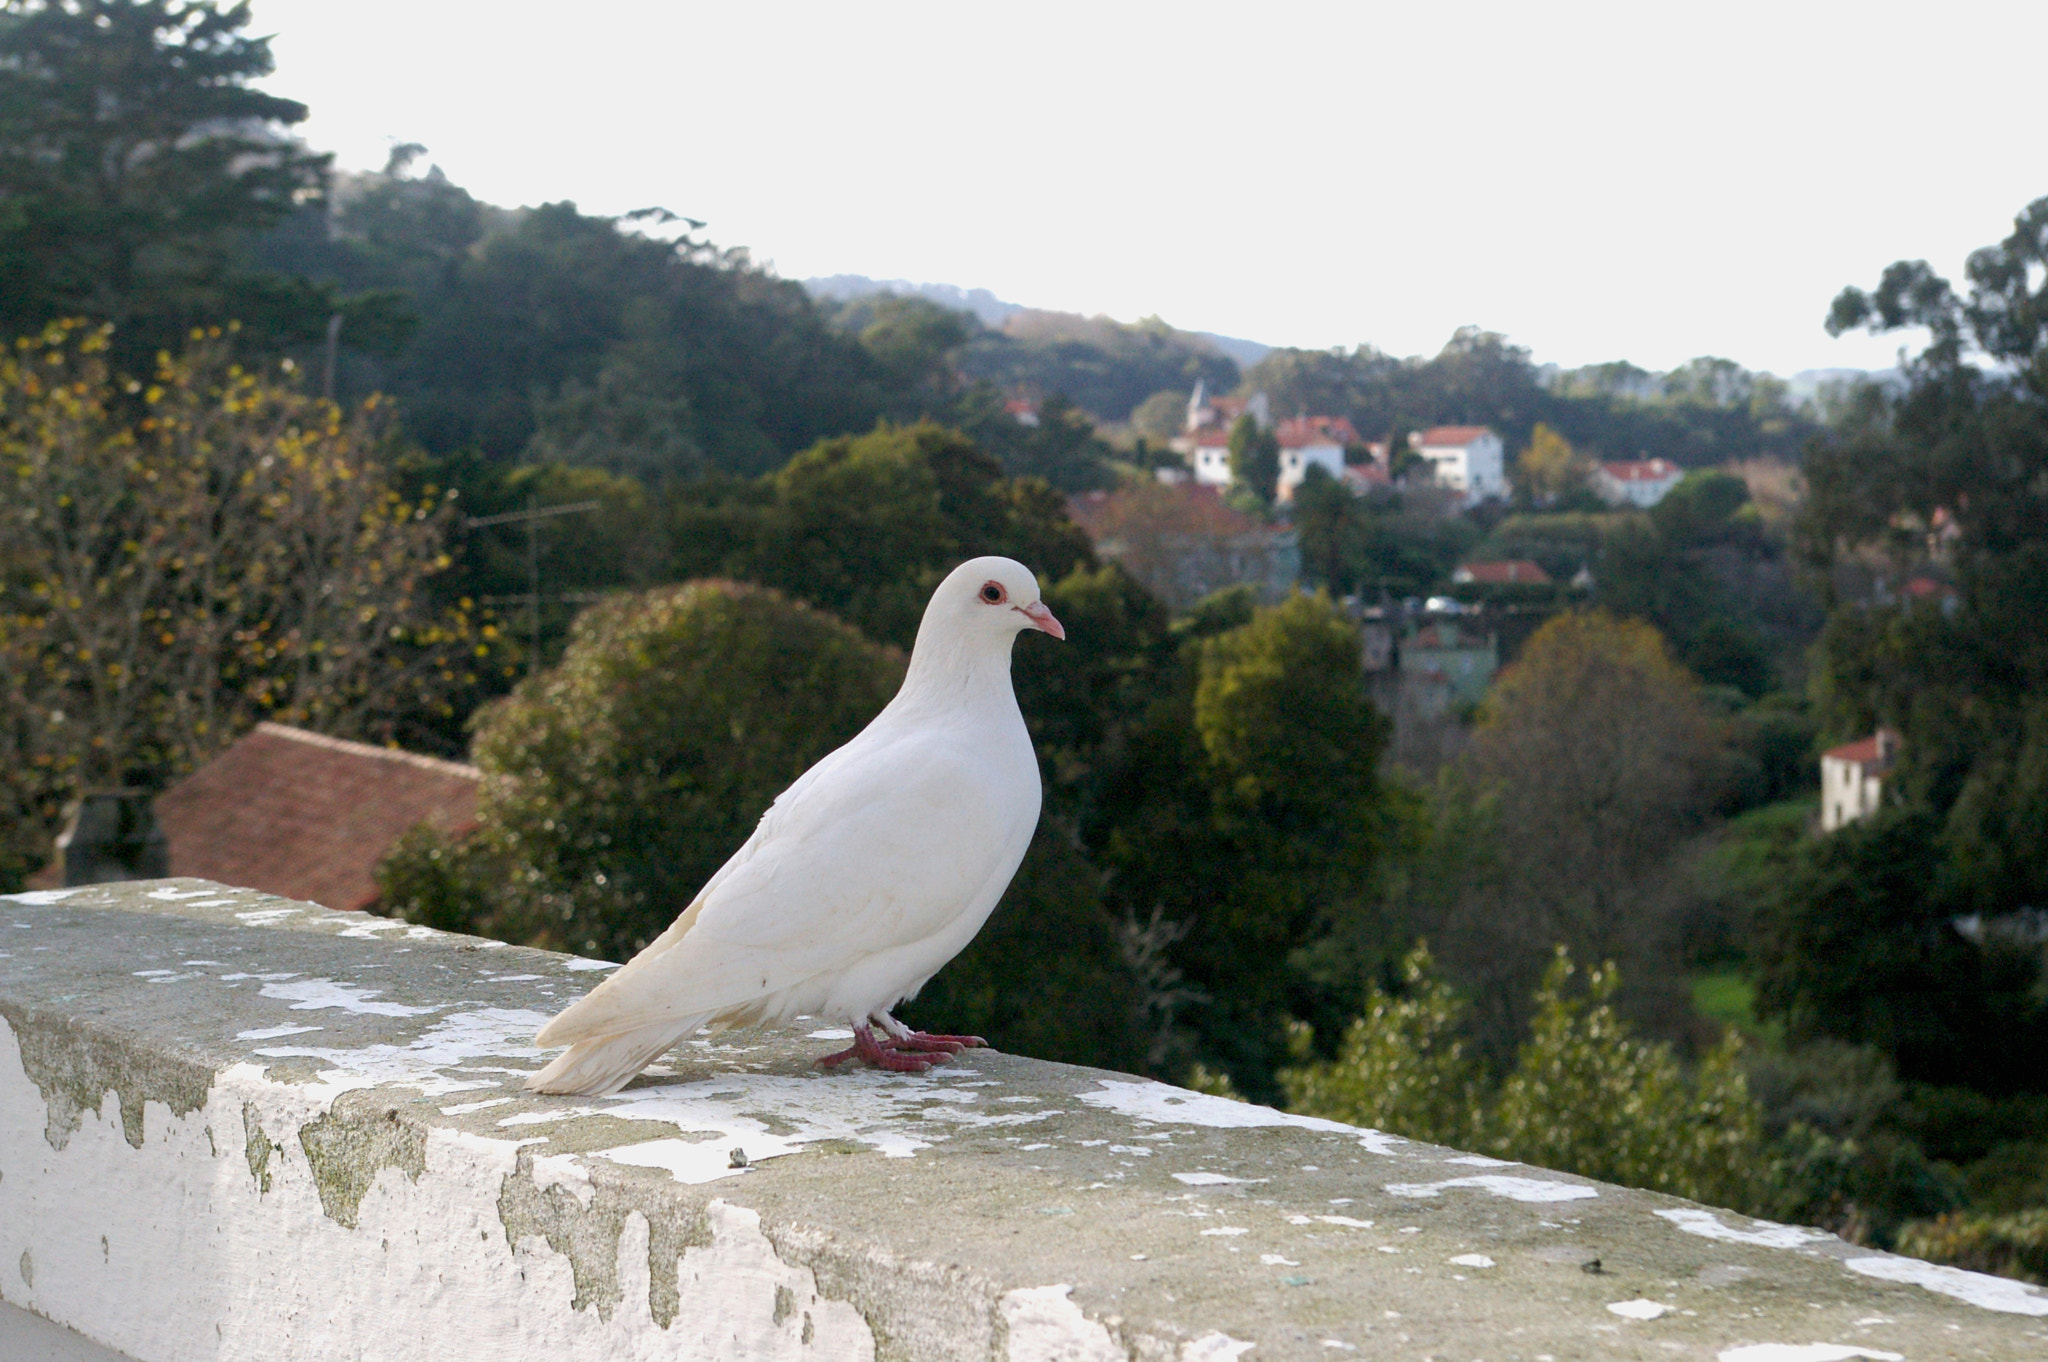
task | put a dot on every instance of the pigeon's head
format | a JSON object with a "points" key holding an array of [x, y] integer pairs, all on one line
{"points": [[991, 597]]}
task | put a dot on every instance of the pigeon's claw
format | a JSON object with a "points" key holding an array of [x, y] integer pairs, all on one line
{"points": [[870, 1050], [925, 1040]]}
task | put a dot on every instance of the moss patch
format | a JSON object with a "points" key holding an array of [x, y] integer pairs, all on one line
{"points": [[75, 1069], [350, 1145], [588, 1236], [258, 1146]]}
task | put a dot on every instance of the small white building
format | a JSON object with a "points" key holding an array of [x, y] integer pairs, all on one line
{"points": [[1311, 442], [1208, 452], [1466, 459], [1852, 778], [1636, 482]]}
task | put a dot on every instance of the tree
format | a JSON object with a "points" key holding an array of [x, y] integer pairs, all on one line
{"points": [[865, 526], [1162, 415], [1947, 483], [238, 552], [1549, 468], [1255, 458], [1247, 811], [134, 158], [1595, 755]]}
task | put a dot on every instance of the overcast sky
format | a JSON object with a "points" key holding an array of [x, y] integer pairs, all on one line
{"points": [[1639, 181]]}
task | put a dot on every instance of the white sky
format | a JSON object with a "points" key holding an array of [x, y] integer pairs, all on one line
{"points": [[1648, 181]]}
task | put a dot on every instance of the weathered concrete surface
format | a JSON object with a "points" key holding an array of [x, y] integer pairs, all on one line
{"points": [[237, 1127]]}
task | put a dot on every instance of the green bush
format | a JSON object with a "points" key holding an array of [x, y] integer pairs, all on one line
{"points": [[1400, 1067], [1584, 1095]]}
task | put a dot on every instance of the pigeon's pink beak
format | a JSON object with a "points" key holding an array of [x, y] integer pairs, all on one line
{"points": [[1041, 617]]}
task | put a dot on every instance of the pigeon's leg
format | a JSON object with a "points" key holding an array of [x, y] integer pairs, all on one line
{"points": [[866, 1047], [902, 1037]]}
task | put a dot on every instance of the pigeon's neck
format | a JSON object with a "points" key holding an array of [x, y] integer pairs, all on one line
{"points": [[964, 672]]}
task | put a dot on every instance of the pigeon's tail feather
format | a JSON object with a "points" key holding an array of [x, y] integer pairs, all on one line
{"points": [[598, 1066]]}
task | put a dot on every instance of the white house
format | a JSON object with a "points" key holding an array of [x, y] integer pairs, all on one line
{"points": [[1636, 482], [1852, 778], [1208, 452], [1466, 459], [1311, 442]]}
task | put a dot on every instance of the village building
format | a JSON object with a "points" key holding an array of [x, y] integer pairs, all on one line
{"points": [[306, 816], [1442, 664], [1511, 572], [1184, 542], [1466, 459], [1635, 482], [1311, 442], [1852, 778]]}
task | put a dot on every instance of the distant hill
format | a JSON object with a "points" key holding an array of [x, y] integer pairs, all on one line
{"points": [[1103, 366]]}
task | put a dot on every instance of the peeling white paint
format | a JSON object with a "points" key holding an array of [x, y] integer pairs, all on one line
{"points": [[1472, 1260], [174, 1250], [1980, 1289], [1045, 1325], [1515, 1189], [1767, 1233], [38, 898], [1200, 1179], [1640, 1309], [1215, 1347], [1481, 1161], [265, 917], [275, 1032], [576, 963], [311, 995], [1144, 1100], [1805, 1352]]}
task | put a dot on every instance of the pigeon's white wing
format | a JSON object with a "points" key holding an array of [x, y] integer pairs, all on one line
{"points": [[870, 850]]}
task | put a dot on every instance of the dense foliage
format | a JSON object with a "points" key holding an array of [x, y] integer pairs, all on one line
{"points": [[134, 157], [182, 557]]}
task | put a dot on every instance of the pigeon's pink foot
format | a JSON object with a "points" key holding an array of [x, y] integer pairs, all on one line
{"points": [[865, 1047]]}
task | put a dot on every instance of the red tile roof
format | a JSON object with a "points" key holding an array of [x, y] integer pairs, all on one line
{"points": [[1212, 437], [1875, 751], [1453, 435], [308, 816], [1512, 572], [1301, 431], [1641, 470]]}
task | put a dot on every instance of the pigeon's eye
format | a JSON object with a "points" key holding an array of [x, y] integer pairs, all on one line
{"points": [[993, 593]]}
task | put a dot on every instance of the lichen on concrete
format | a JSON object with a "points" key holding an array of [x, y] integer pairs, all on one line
{"points": [[351, 1144], [75, 1068], [587, 1233], [257, 1145]]}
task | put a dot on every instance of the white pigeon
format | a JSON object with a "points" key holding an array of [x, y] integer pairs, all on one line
{"points": [[864, 877]]}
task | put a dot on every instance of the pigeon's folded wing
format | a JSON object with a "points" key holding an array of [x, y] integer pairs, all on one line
{"points": [[858, 857]]}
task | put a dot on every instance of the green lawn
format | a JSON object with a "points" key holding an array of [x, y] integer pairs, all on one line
{"points": [[1727, 997]]}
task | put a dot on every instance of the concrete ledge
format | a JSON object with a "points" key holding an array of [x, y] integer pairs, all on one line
{"points": [[233, 1126]]}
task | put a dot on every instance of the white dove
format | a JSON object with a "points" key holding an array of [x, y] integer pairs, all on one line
{"points": [[864, 877]]}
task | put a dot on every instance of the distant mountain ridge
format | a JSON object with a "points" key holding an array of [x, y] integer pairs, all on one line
{"points": [[992, 311]]}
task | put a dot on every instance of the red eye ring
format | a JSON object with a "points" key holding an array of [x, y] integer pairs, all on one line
{"points": [[992, 593]]}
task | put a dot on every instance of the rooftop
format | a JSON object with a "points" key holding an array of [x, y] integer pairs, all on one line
{"points": [[307, 816]]}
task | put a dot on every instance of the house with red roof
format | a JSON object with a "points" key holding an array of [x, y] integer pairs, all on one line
{"points": [[306, 816], [1466, 459], [1635, 482], [1183, 541], [1511, 572], [1311, 442], [1852, 778]]}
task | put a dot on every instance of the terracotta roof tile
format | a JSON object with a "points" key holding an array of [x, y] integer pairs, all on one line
{"points": [[1453, 435], [308, 816]]}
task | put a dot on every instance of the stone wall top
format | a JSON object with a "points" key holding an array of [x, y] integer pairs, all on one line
{"points": [[236, 1126]]}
